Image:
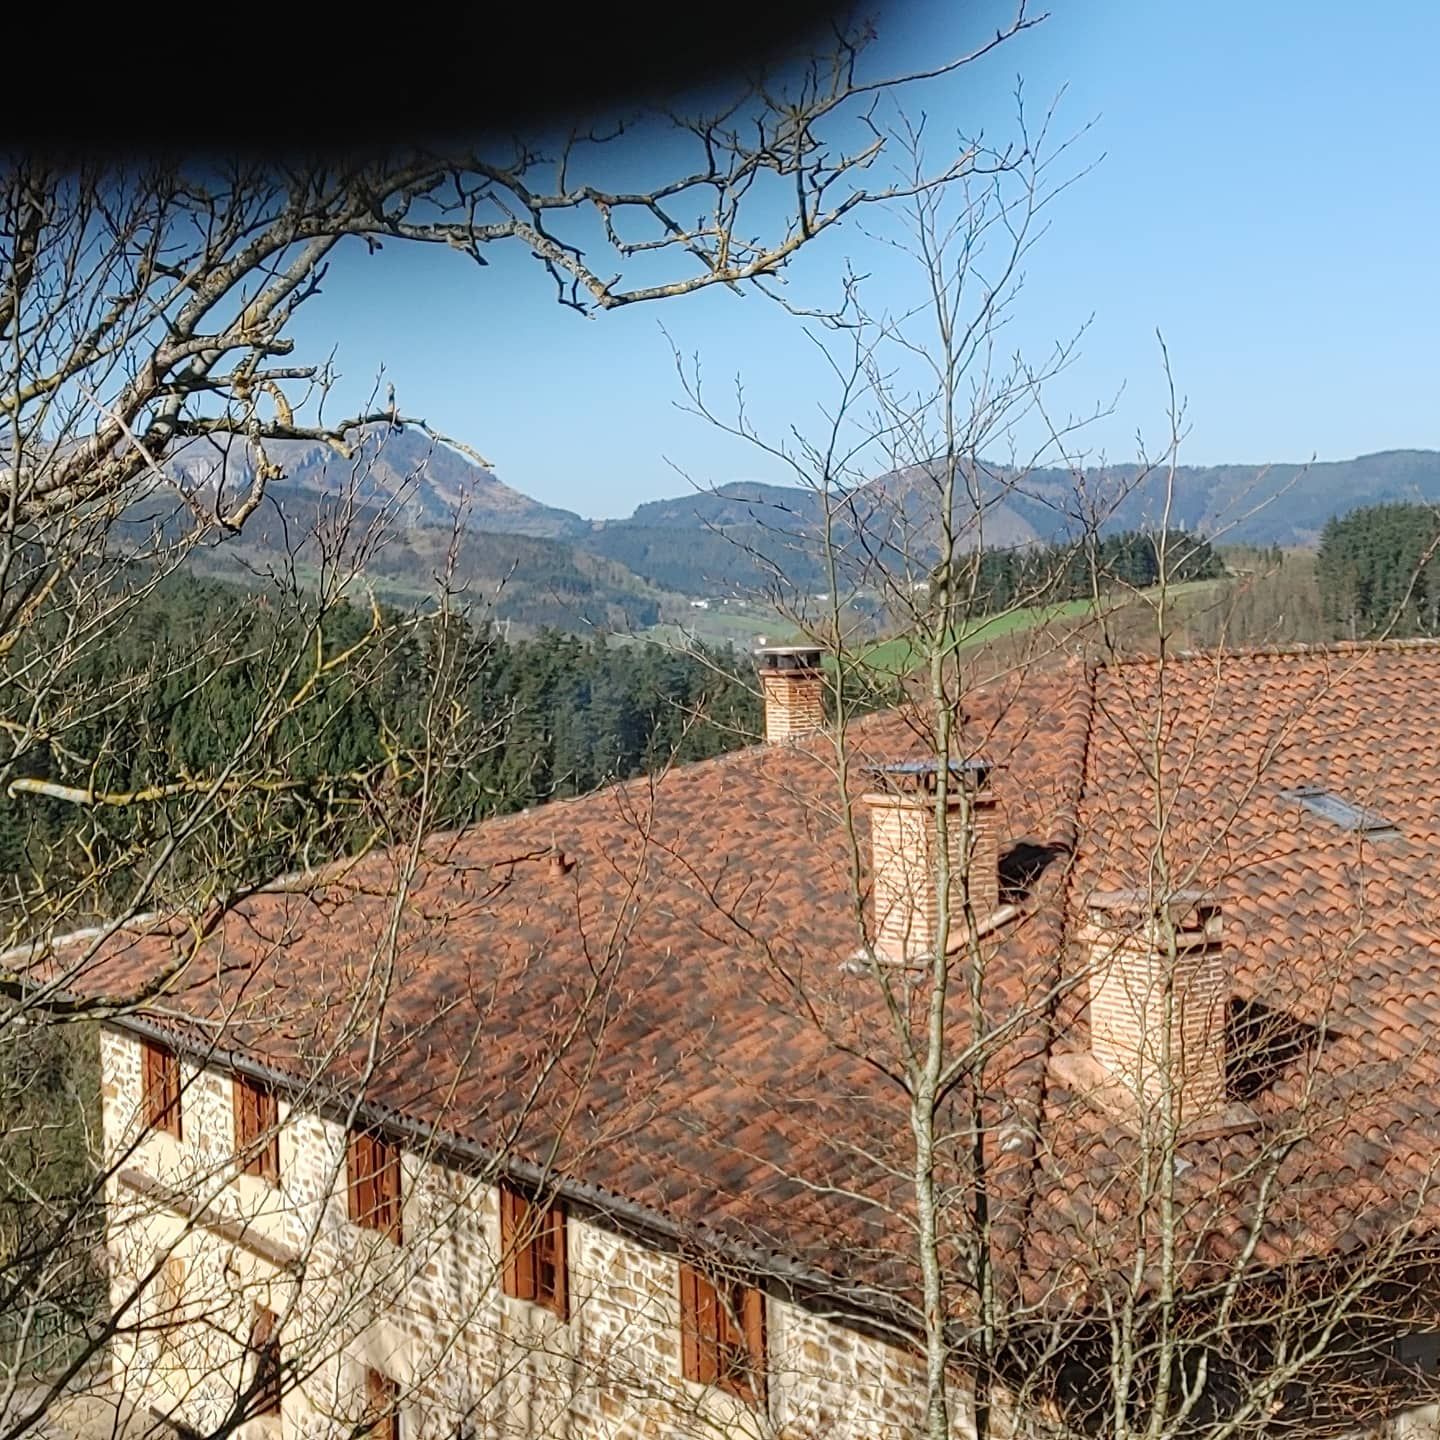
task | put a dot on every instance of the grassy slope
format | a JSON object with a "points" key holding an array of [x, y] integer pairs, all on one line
{"points": [[897, 656]]}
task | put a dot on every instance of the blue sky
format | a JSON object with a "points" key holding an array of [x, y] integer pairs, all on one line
{"points": [[1267, 199]]}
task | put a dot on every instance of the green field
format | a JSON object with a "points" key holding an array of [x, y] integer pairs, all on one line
{"points": [[736, 625], [897, 656], [739, 625]]}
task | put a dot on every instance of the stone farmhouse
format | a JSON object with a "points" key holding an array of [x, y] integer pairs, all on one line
{"points": [[583, 1123]]}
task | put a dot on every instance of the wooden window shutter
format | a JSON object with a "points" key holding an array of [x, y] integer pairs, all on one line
{"points": [[257, 1115], [355, 1179], [388, 1186], [373, 1167], [360, 1168], [752, 1318], [722, 1334], [150, 1082], [160, 1087], [558, 1297], [710, 1319], [532, 1248], [244, 1117], [690, 1283], [382, 1396], [265, 1347], [519, 1255]]}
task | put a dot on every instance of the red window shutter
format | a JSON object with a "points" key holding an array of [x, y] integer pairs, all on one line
{"points": [[388, 1178], [257, 1114], [517, 1244], [382, 1396], [753, 1320], [559, 1297], [160, 1087], [690, 1283], [359, 1169]]}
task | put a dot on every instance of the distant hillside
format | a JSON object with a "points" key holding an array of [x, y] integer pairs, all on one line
{"points": [[424, 481], [735, 537], [1252, 504], [531, 581], [741, 533]]}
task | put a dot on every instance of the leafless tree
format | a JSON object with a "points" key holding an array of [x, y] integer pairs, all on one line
{"points": [[1074, 1261], [149, 370]]}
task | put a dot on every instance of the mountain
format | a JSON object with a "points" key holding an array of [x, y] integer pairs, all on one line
{"points": [[529, 580], [733, 538], [424, 481], [745, 530], [1283, 504]]}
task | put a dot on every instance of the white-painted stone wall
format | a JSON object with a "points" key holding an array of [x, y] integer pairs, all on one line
{"points": [[471, 1361]]}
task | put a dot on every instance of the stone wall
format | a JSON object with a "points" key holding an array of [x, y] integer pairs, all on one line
{"points": [[471, 1362]]}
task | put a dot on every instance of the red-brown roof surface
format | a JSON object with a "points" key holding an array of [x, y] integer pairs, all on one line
{"points": [[673, 1019]]}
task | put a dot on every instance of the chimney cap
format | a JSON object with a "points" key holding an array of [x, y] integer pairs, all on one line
{"points": [[789, 657], [922, 775], [1188, 909]]}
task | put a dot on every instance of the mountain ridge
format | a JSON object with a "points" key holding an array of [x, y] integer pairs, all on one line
{"points": [[725, 539], [423, 481]]}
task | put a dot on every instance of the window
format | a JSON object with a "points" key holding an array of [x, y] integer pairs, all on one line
{"points": [[257, 1140], [722, 1334], [532, 1240], [160, 1087], [1340, 811], [374, 1173], [382, 1406], [265, 1350]]}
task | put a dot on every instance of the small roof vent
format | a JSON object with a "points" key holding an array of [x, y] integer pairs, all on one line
{"points": [[1342, 812]]}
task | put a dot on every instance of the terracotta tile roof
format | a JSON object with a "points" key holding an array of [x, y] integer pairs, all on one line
{"points": [[672, 1019]]}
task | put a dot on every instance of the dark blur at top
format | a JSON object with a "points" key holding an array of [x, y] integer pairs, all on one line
{"points": [[283, 77]]}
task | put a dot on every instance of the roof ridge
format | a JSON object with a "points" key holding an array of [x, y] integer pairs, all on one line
{"points": [[1297, 648]]}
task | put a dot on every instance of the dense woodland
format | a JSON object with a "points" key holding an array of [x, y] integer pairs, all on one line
{"points": [[1378, 571], [181, 686], [998, 579]]}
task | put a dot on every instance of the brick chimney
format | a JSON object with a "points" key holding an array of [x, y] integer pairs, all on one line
{"points": [[1137, 993], [793, 686], [903, 849]]}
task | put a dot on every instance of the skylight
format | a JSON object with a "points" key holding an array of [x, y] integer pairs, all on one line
{"points": [[1340, 811]]}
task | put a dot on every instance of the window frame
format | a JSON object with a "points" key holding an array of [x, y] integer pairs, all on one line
{"points": [[722, 1317], [382, 1406], [264, 1350], [374, 1186], [534, 1239], [160, 1087], [257, 1128]]}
